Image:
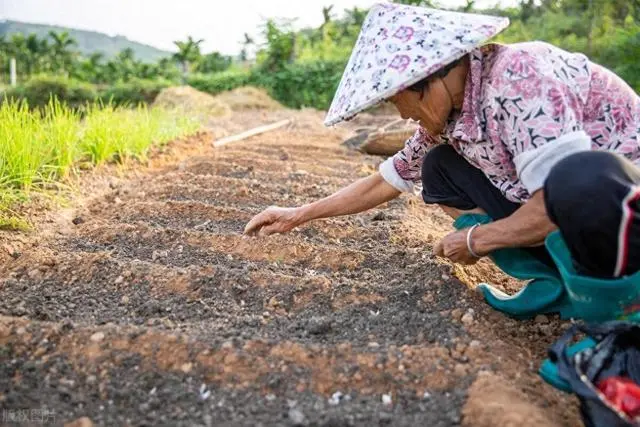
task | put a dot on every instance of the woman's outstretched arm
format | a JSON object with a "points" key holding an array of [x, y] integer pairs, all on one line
{"points": [[362, 195]]}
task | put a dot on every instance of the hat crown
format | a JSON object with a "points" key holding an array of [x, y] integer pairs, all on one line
{"points": [[399, 45]]}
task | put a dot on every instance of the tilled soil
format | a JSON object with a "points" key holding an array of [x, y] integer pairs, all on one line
{"points": [[147, 306]]}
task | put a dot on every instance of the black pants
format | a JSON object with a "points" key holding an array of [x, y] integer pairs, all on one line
{"points": [[593, 198]]}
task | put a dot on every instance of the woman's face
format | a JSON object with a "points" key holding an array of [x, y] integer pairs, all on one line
{"points": [[431, 108]]}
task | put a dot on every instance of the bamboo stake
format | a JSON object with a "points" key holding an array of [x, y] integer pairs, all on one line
{"points": [[251, 132], [391, 124]]}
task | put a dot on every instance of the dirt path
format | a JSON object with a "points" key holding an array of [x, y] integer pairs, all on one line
{"points": [[154, 310]]}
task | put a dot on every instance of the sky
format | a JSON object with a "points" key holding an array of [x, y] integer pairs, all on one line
{"points": [[221, 23]]}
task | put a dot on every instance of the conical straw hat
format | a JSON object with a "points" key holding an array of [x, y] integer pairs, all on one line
{"points": [[400, 45]]}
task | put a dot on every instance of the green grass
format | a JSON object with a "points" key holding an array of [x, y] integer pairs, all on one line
{"points": [[42, 147]]}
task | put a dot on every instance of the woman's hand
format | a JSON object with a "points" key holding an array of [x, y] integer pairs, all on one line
{"points": [[360, 196], [274, 220], [454, 247]]}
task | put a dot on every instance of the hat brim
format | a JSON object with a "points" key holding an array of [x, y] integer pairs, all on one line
{"points": [[356, 102], [350, 114]]}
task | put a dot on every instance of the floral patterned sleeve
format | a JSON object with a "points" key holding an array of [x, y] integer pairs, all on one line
{"points": [[538, 113], [404, 169]]}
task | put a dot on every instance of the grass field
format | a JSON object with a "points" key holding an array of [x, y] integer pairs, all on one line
{"points": [[41, 147]]}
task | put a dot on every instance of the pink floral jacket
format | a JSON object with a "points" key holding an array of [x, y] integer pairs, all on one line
{"points": [[526, 106]]}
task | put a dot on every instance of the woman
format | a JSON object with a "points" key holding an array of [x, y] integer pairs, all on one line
{"points": [[535, 137]]}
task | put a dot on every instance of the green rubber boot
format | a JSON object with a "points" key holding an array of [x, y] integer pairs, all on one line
{"points": [[544, 293], [563, 291]]}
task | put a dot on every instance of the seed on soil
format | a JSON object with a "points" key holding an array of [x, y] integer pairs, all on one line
{"points": [[66, 382], [297, 417], [460, 370], [386, 399], [467, 319], [77, 220], [541, 318], [97, 337], [380, 216], [319, 325], [335, 398]]}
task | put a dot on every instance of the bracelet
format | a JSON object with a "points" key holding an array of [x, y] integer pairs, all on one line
{"points": [[469, 241]]}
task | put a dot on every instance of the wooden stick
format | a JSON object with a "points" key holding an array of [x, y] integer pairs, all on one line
{"points": [[391, 124], [250, 133]]}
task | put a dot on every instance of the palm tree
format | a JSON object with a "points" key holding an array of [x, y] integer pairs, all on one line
{"points": [[188, 52], [356, 16], [428, 3], [126, 64], [469, 6], [91, 68], [244, 52], [213, 62], [326, 15], [61, 49], [32, 45]]}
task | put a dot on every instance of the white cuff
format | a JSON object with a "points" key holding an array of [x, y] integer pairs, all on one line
{"points": [[391, 175], [533, 166]]}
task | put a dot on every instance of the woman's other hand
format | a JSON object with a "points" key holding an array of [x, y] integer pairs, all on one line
{"points": [[454, 247], [274, 220]]}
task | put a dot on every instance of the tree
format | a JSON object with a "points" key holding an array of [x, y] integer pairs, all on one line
{"points": [[125, 65], [246, 44], [469, 6], [213, 62], [427, 3], [279, 47], [327, 15], [35, 53], [61, 50], [355, 16], [91, 69], [188, 52]]}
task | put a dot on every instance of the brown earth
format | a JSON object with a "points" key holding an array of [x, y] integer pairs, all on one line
{"points": [[145, 305]]}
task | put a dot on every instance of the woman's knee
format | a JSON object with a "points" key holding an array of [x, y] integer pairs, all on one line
{"points": [[580, 175], [579, 182]]}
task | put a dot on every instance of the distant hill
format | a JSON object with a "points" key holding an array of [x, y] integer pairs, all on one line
{"points": [[88, 41]]}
